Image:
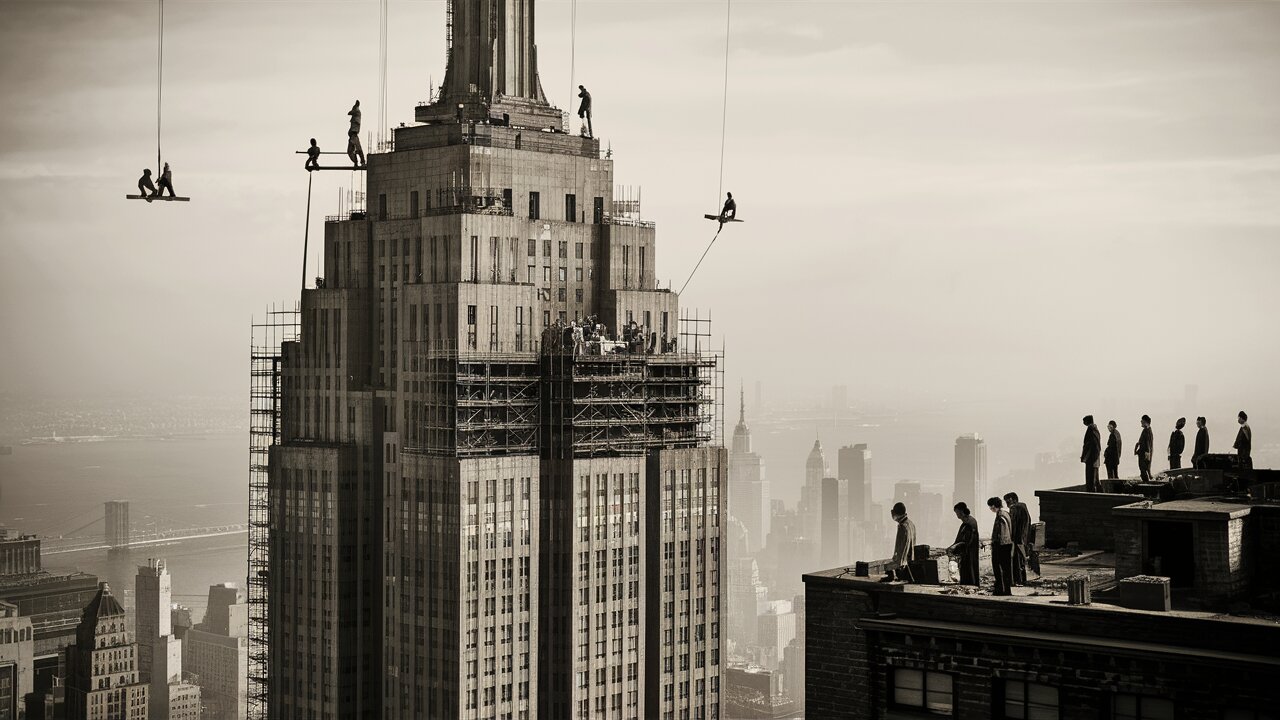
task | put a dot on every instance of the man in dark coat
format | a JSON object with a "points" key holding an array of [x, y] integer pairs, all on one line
{"points": [[1244, 441], [1091, 453], [1020, 526], [1143, 448], [965, 548], [1177, 442], [1202, 441], [146, 188], [904, 544], [1112, 456], [584, 109], [1001, 548]]}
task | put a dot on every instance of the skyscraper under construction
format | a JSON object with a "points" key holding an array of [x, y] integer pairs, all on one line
{"points": [[469, 507]]}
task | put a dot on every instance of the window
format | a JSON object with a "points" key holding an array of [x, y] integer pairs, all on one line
{"points": [[535, 210], [533, 247], [1140, 707], [382, 207], [475, 259], [597, 213], [564, 249], [928, 691], [471, 327], [1030, 701], [571, 208], [519, 328], [577, 250], [413, 203]]}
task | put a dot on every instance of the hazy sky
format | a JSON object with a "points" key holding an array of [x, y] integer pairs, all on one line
{"points": [[1044, 204]]}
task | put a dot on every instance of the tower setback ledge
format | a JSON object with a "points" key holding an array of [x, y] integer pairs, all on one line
{"points": [[419, 137]]}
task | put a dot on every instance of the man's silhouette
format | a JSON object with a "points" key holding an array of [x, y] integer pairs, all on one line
{"points": [[1177, 442], [1111, 458], [146, 188], [1091, 453], [1146, 442], [584, 109], [1202, 441]]}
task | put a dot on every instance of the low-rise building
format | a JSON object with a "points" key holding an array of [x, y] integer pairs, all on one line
{"points": [[16, 658], [1163, 607]]}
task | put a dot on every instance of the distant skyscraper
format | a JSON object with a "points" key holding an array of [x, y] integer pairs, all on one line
{"points": [[830, 521], [815, 468], [117, 522], [749, 491], [216, 653], [775, 628], [102, 666], [971, 472], [159, 651], [854, 471]]}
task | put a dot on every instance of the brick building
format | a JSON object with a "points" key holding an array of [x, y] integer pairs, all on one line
{"points": [[1182, 623]]}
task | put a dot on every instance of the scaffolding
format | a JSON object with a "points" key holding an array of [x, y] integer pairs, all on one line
{"points": [[696, 339], [472, 403], [279, 326]]}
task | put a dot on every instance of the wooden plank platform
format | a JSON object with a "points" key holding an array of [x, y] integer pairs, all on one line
{"points": [[717, 218], [166, 198], [346, 167]]}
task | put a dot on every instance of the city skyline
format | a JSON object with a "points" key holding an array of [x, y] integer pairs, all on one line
{"points": [[493, 466]]}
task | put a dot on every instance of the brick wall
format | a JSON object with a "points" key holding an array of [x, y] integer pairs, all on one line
{"points": [[849, 666], [1072, 515]]}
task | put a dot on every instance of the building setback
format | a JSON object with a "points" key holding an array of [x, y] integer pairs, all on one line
{"points": [[1178, 620], [471, 517]]}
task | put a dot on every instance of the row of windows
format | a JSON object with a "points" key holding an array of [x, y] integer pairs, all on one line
{"points": [[934, 693]]}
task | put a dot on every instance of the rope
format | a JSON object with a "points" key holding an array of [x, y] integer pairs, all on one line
{"points": [[159, 83], [306, 233], [573, 47], [704, 257], [724, 110], [382, 77], [724, 124]]}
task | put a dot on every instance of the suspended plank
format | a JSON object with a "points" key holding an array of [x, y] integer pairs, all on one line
{"points": [[717, 218], [348, 168], [166, 198]]}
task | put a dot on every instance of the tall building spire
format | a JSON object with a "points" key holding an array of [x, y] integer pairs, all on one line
{"points": [[493, 66], [742, 404]]}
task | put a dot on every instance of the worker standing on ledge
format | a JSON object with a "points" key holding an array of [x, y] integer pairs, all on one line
{"points": [[904, 545], [1090, 453], [354, 151], [1146, 443], [1177, 443], [584, 109], [1244, 442], [1111, 458], [1202, 441]]}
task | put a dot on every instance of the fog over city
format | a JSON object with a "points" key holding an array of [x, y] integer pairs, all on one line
{"points": [[965, 226]]}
